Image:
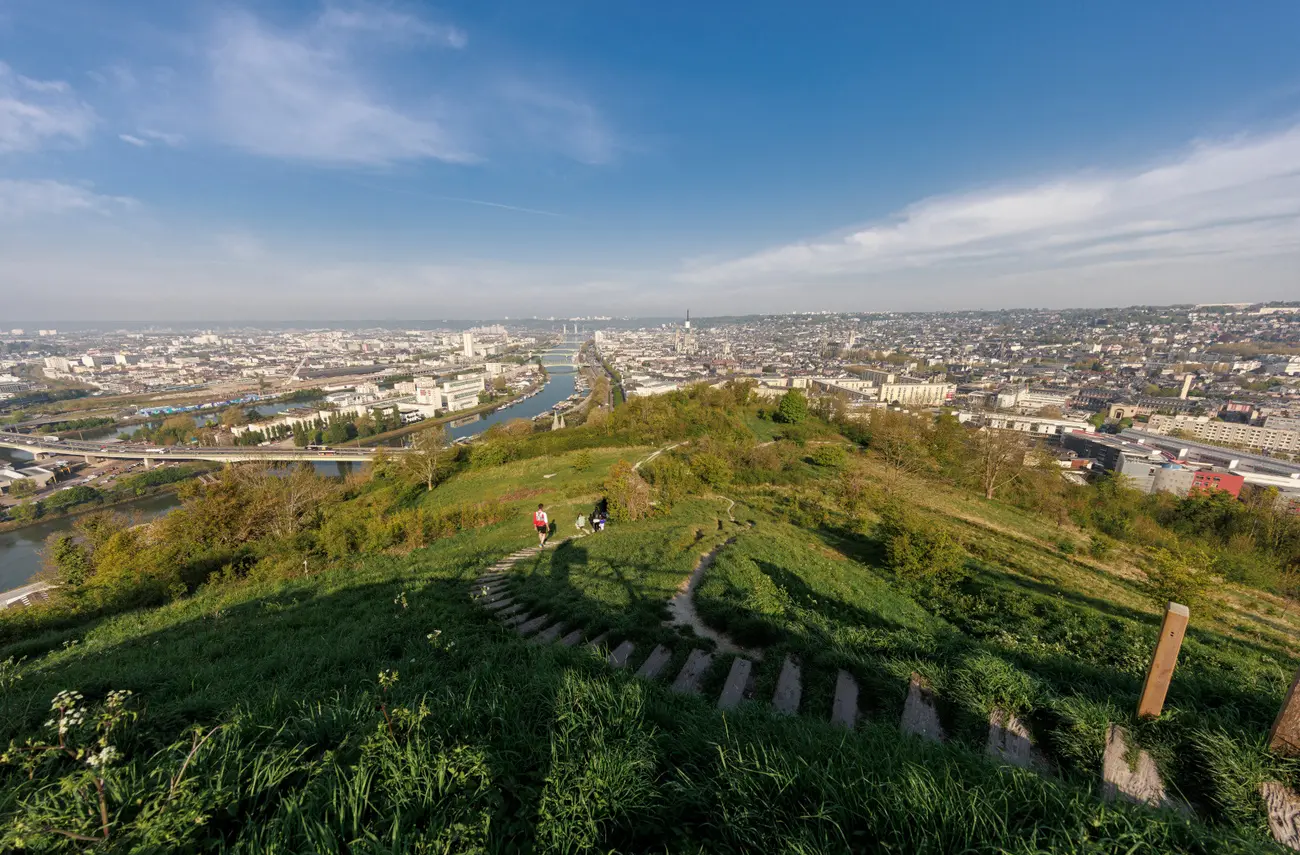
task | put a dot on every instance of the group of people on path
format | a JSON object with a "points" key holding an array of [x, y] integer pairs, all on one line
{"points": [[542, 522]]}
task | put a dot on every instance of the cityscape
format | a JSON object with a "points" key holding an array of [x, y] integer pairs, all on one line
{"points": [[521, 426]]}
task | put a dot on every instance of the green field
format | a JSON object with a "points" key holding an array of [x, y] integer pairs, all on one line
{"points": [[369, 704]]}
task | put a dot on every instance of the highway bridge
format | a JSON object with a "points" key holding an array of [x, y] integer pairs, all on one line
{"points": [[43, 447]]}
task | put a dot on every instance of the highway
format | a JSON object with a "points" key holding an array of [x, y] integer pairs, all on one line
{"points": [[42, 447]]}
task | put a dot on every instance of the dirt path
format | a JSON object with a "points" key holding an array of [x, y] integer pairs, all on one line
{"points": [[682, 609]]}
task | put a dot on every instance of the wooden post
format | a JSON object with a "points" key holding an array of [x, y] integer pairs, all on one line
{"points": [[1284, 738], [1163, 661]]}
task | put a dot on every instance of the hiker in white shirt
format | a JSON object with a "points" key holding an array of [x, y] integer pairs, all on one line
{"points": [[542, 524]]}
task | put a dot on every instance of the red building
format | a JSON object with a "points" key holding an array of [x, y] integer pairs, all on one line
{"points": [[1226, 481]]}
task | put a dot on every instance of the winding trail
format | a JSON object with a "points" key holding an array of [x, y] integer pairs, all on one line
{"points": [[682, 609], [655, 454]]}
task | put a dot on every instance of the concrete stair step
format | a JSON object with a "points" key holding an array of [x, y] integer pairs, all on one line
{"points": [[596, 642], [549, 634], [1142, 785], [572, 638], [919, 715], [789, 688], [509, 612], [1010, 742], [515, 620], [733, 691], [688, 679], [655, 662], [499, 603], [844, 709], [618, 657], [528, 627], [1283, 809]]}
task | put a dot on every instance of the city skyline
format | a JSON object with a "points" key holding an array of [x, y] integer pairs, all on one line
{"points": [[315, 160]]}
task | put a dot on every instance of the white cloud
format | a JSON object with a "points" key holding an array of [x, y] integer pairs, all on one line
{"points": [[162, 137], [302, 95], [34, 113], [135, 141], [22, 200], [389, 24], [1237, 198]]}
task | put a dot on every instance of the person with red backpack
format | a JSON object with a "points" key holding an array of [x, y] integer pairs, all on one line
{"points": [[542, 524]]}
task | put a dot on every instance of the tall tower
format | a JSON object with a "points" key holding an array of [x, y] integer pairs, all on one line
{"points": [[467, 339]]}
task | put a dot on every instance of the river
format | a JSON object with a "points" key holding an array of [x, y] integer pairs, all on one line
{"points": [[19, 549]]}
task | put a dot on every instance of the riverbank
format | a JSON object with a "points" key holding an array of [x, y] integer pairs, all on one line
{"points": [[93, 506], [425, 424]]}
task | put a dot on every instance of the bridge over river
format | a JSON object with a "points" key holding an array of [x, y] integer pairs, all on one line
{"points": [[43, 447]]}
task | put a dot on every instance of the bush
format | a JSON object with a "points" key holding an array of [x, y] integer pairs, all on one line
{"points": [[792, 409], [1100, 546], [919, 552], [78, 495], [830, 456], [711, 468]]}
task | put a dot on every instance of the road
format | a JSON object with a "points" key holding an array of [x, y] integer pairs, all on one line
{"points": [[43, 447]]}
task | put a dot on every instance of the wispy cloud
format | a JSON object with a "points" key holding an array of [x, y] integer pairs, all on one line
{"points": [[302, 95], [145, 138], [388, 23], [36, 113], [1239, 197], [22, 200]]}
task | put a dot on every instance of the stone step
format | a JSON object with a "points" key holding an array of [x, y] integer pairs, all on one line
{"points": [[509, 612], [499, 603], [493, 596], [515, 620], [1141, 785], [655, 662], [572, 638], [919, 715], [733, 692], [789, 688], [596, 642], [549, 634], [528, 627], [688, 679], [1283, 809], [1009, 741], [490, 577], [844, 709], [618, 658]]}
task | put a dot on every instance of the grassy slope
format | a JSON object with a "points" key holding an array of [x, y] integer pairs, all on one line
{"points": [[520, 747]]}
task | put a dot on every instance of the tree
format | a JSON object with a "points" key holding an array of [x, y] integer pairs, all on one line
{"points": [[793, 408], [68, 559], [999, 458], [25, 487], [425, 458], [896, 440], [711, 468], [626, 493]]}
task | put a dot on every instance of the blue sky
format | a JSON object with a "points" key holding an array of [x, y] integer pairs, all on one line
{"points": [[386, 159]]}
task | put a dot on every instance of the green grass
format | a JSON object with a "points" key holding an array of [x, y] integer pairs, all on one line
{"points": [[504, 746], [620, 581], [1065, 659]]}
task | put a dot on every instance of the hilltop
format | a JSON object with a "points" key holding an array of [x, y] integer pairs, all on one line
{"points": [[373, 665]]}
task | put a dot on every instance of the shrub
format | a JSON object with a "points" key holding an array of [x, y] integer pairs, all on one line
{"points": [[711, 468], [918, 552], [792, 408], [626, 493], [582, 461], [1100, 546], [1181, 577], [830, 456], [78, 495]]}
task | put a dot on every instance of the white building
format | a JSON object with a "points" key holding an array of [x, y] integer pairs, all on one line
{"points": [[467, 341]]}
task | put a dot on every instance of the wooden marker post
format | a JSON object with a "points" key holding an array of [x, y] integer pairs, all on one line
{"points": [[1284, 738], [1163, 661]]}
